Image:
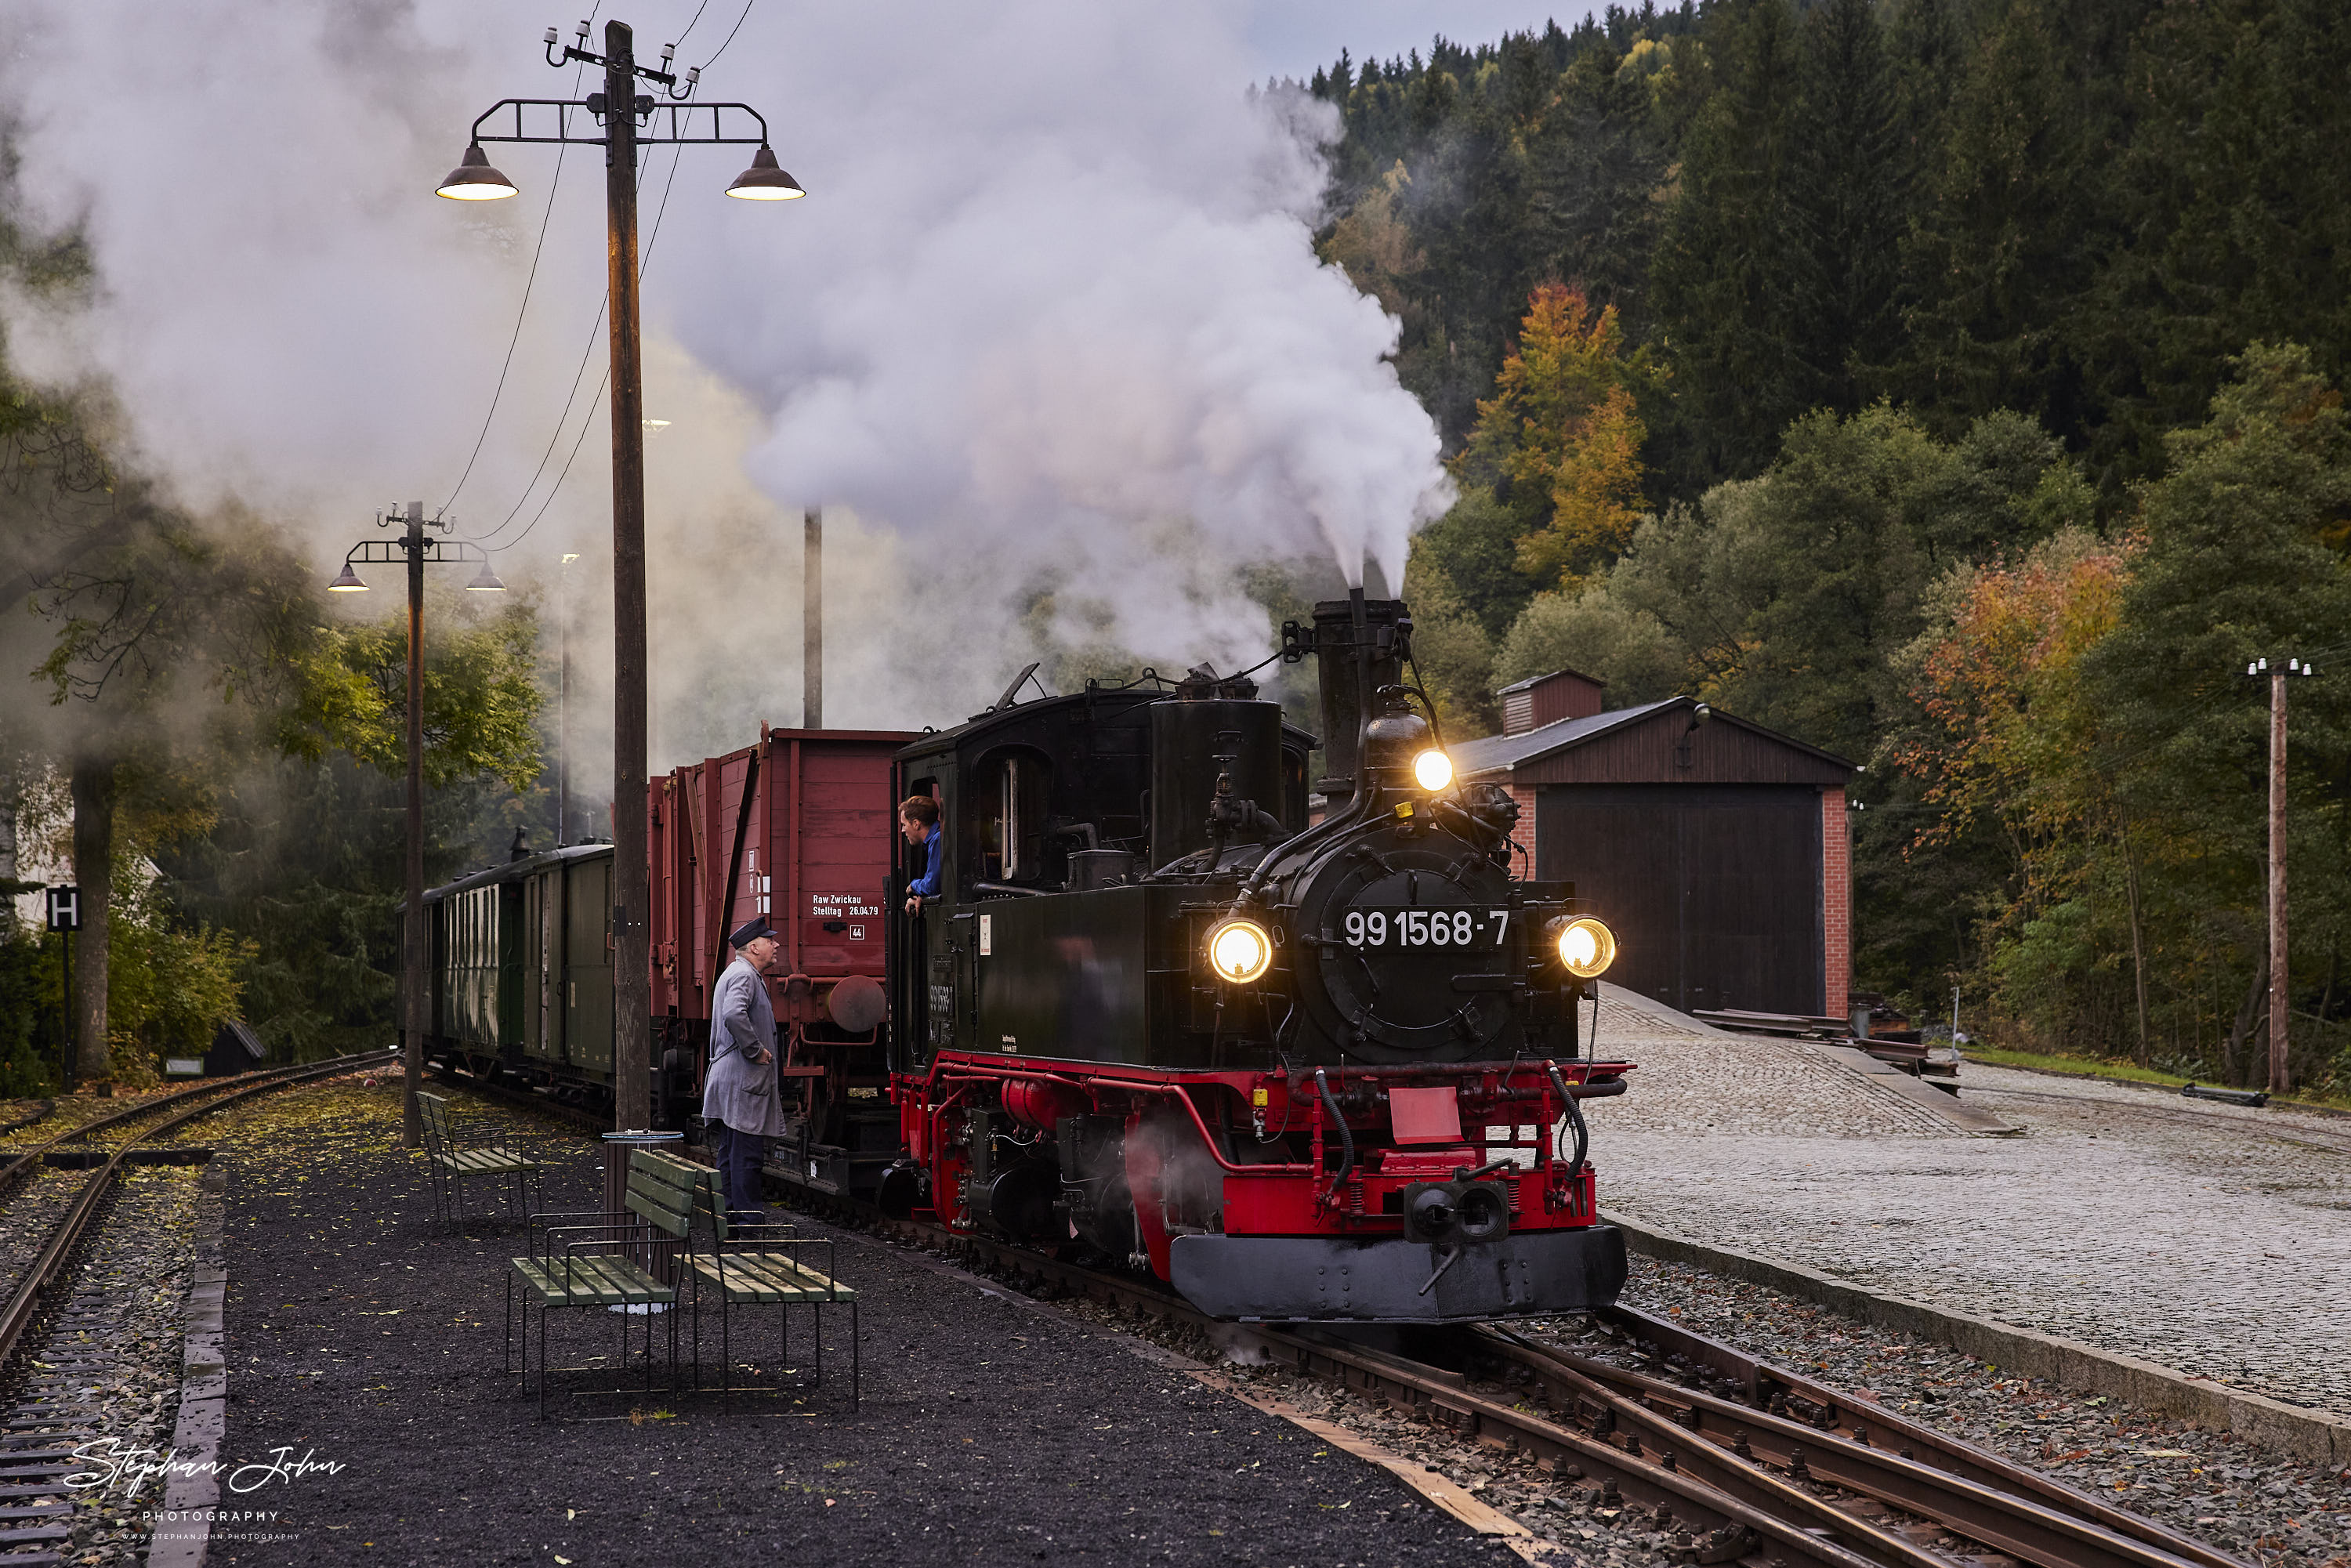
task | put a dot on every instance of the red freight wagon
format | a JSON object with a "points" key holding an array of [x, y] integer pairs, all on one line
{"points": [[798, 828]]}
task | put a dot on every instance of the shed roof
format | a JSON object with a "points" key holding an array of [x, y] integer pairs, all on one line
{"points": [[1643, 745], [1538, 680], [239, 1033]]}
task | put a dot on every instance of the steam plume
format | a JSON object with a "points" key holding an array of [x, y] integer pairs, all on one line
{"points": [[1051, 312]]}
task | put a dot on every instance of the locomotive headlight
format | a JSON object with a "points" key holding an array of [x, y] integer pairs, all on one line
{"points": [[1239, 950], [1587, 946], [1432, 770]]}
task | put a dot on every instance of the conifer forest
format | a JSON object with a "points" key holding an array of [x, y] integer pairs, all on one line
{"points": [[1955, 385]]}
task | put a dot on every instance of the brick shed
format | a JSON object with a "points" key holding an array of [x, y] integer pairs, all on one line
{"points": [[1714, 848]]}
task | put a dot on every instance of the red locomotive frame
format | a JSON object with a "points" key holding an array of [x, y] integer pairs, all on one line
{"points": [[1291, 1199]]}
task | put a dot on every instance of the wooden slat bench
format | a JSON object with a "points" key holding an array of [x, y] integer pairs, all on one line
{"points": [[760, 1266], [450, 1162], [613, 1260]]}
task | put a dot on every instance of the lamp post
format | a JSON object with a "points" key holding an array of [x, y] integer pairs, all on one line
{"points": [[628, 121], [417, 550]]}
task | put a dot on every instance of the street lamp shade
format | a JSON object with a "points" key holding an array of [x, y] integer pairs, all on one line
{"points": [[764, 181], [347, 583], [485, 582], [473, 180]]}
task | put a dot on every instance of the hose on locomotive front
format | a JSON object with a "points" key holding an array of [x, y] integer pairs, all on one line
{"points": [[1346, 1137], [1574, 1119], [1255, 881]]}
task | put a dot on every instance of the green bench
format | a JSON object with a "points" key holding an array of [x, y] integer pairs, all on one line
{"points": [[450, 1161], [610, 1260], [760, 1266]]}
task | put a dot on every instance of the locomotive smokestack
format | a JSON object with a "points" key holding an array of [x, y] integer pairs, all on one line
{"points": [[1359, 646]]}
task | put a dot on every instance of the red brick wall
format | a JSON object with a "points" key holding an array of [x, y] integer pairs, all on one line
{"points": [[1530, 867], [1836, 903]]}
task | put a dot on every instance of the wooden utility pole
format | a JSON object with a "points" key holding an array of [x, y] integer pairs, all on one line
{"points": [[2281, 1078], [412, 945], [2278, 1081], [812, 623], [631, 880], [617, 108]]}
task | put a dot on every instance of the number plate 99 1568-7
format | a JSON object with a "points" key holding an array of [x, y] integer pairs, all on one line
{"points": [[1426, 927]]}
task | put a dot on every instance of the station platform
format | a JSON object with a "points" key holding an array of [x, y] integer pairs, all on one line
{"points": [[360, 1335], [2206, 1238]]}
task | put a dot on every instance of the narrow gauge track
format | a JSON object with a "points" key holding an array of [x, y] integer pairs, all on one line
{"points": [[41, 1111], [1751, 1462], [37, 1289], [491, 1089], [1773, 1471]]}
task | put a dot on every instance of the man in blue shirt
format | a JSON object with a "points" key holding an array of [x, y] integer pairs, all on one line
{"points": [[918, 819]]}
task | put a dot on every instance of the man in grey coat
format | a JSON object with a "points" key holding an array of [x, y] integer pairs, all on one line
{"points": [[739, 1101]]}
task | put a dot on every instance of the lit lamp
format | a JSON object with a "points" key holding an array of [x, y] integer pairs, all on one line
{"points": [[764, 181], [347, 583], [485, 580], [473, 180]]}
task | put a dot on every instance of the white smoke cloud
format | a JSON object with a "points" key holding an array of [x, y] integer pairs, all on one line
{"points": [[1050, 313]]}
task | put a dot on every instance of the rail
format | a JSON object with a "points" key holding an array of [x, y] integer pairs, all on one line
{"points": [[39, 1280], [1675, 1452]]}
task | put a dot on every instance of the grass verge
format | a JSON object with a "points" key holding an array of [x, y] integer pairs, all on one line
{"points": [[2096, 1067]]}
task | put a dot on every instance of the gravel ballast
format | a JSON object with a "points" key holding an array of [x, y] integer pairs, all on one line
{"points": [[109, 1366], [360, 1335]]}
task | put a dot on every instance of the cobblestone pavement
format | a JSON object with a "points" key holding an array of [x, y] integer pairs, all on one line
{"points": [[1694, 1079], [2206, 1238]]}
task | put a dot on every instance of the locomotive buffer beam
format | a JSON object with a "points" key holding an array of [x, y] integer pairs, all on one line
{"points": [[1334, 1278]]}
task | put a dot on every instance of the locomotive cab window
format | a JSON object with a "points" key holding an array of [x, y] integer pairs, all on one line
{"points": [[1014, 790]]}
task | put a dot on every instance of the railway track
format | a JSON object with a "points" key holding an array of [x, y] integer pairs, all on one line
{"points": [[1741, 1461], [506, 1093], [50, 1414], [36, 1285]]}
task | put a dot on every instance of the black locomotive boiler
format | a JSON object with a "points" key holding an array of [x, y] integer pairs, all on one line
{"points": [[1322, 1071]]}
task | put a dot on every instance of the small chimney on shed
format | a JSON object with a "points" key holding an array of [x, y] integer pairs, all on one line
{"points": [[1546, 699]]}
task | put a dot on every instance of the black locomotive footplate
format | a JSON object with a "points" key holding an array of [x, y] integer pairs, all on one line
{"points": [[1315, 1279]]}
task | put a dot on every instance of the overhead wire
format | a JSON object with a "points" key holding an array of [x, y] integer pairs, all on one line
{"points": [[506, 367], [644, 262], [730, 37], [563, 419], [698, 10]]}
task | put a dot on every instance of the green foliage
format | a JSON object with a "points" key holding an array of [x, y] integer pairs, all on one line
{"points": [[1728, 269], [482, 695], [172, 984], [32, 1013]]}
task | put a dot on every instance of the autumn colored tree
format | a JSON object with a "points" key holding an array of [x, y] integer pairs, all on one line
{"points": [[1560, 441], [2009, 743]]}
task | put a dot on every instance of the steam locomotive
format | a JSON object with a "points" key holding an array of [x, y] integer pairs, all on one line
{"points": [[1304, 1070], [1300, 1072]]}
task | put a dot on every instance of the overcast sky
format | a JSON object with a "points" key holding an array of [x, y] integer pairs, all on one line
{"points": [[1293, 37]]}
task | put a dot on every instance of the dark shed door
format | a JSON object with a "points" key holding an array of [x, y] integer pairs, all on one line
{"points": [[1714, 891]]}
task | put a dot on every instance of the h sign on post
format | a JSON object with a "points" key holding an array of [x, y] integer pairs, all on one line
{"points": [[65, 908]]}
